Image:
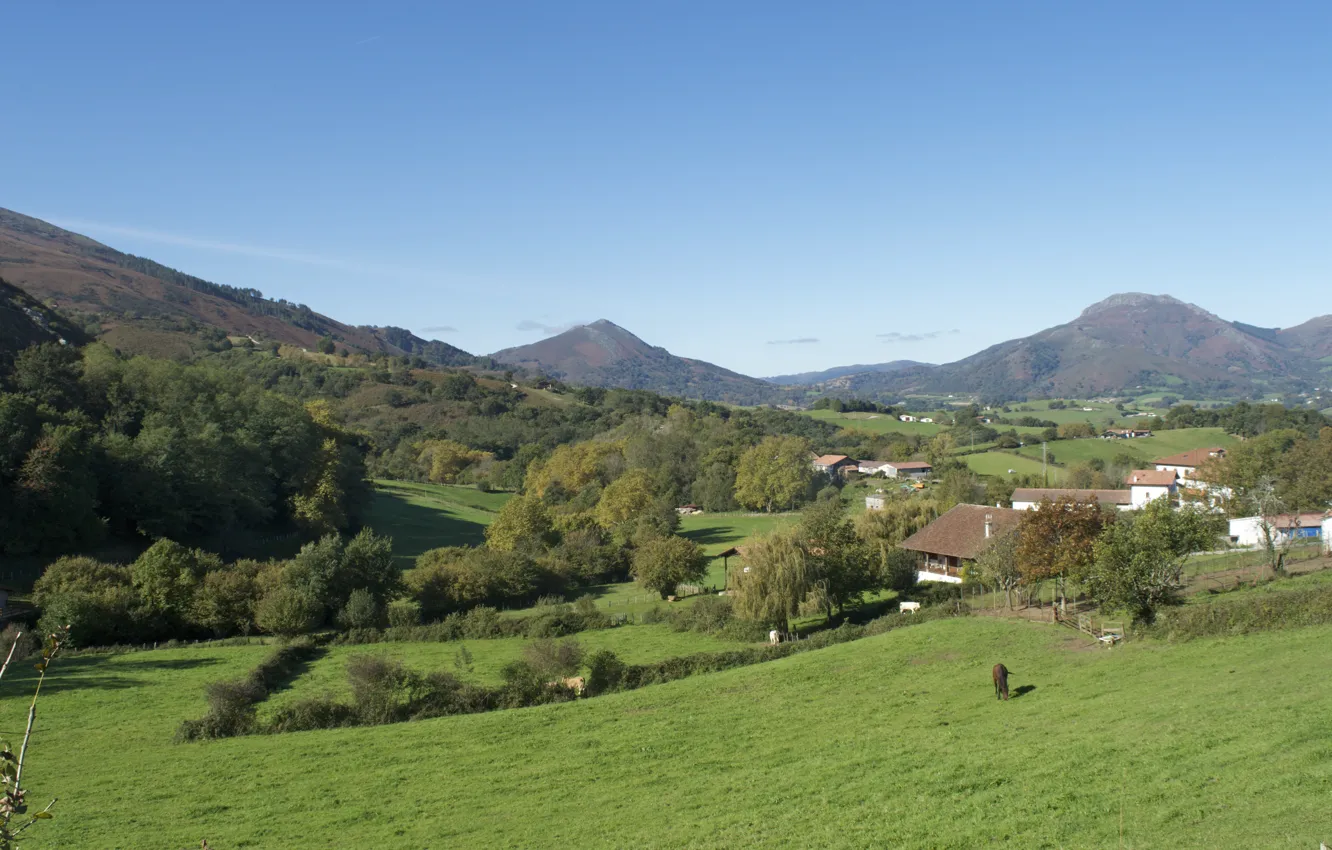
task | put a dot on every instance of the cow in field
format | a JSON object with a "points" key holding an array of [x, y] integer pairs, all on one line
{"points": [[1000, 674]]}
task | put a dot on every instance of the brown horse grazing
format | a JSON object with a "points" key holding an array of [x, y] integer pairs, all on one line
{"points": [[1000, 682]]}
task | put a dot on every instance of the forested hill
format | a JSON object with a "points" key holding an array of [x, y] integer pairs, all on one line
{"points": [[604, 354], [121, 291]]}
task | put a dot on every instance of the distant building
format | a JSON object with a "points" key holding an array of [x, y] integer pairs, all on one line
{"points": [[927, 420], [875, 502], [905, 418], [958, 537], [688, 510], [907, 469], [1327, 535], [1027, 498], [872, 467], [1146, 485], [1248, 531], [834, 464], [1125, 433]]}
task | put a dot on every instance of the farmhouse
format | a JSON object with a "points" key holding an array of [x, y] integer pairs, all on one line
{"points": [[958, 537], [1125, 433], [834, 464], [905, 418], [1327, 535], [1146, 485], [1187, 463], [872, 467], [1027, 498], [1248, 531], [907, 469]]}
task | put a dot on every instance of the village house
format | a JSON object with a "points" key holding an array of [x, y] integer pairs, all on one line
{"points": [[1248, 531], [872, 467], [905, 418], [957, 538], [1146, 485], [1327, 535], [1125, 433], [834, 464], [907, 469], [1186, 465], [1027, 498]]}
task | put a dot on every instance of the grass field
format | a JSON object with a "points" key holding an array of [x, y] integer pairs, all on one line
{"points": [[875, 423], [718, 532], [890, 741], [420, 517], [998, 463], [1147, 449], [634, 644]]}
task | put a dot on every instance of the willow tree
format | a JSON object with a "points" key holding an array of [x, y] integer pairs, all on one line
{"points": [[776, 580]]}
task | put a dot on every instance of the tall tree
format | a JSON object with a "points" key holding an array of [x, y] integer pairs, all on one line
{"points": [[774, 474], [522, 523], [776, 579], [1055, 540], [661, 563]]}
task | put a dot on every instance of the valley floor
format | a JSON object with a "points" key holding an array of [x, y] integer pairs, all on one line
{"points": [[895, 740]]}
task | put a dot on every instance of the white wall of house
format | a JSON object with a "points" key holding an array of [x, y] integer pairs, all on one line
{"points": [[1327, 534], [925, 575], [1142, 494], [1246, 531]]}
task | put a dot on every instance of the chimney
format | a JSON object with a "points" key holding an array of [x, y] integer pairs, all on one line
{"points": [[989, 521]]}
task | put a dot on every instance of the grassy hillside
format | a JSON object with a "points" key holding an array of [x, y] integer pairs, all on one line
{"points": [[1160, 444], [895, 740], [998, 463], [425, 516], [875, 423], [718, 532]]}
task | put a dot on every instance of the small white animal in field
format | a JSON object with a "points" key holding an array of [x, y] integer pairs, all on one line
{"points": [[909, 607]]}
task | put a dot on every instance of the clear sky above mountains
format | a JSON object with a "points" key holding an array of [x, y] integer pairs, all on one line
{"points": [[772, 187]]}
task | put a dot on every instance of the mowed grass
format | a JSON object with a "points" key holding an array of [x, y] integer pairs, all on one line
{"points": [[998, 463], [633, 644], [891, 741], [875, 423], [420, 517], [1146, 449]]}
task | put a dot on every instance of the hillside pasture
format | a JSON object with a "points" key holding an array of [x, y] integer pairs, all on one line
{"points": [[874, 423], [420, 517], [998, 463], [919, 753], [1146, 449]]}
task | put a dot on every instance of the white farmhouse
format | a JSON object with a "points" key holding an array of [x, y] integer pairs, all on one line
{"points": [[1027, 498], [907, 418], [872, 467], [1146, 485], [1186, 465]]}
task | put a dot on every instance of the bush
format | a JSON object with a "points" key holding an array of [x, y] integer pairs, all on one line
{"points": [[1284, 609], [382, 689], [404, 613], [362, 611], [605, 672], [481, 622], [309, 714], [554, 659], [287, 612], [231, 704]]}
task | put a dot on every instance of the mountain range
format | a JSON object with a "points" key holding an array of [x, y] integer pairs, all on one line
{"points": [[139, 302], [1115, 346]]}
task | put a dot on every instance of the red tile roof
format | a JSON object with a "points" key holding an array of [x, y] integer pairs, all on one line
{"points": [[1104, 497], [1152, 477], [831, 460], [1191, 458], [960, 533]]}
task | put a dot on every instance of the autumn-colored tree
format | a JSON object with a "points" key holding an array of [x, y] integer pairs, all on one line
{"points": [[444, 460], [897, 520], [575, 466], [522, 522], [1055, 540], [774, 474], [625, 499]]}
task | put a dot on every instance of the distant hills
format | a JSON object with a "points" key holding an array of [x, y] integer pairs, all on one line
{"points": [[82, 275], [1114, 347], [804, 378], [1126, 341], [603, 354]]}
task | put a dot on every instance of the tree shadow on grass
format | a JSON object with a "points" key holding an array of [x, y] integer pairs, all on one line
{"points": [[712, 534], [1022, 691], [94, 672], [416, 528]]}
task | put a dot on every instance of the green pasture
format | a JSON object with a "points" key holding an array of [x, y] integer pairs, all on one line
{"points": [[875, 423], [895, 740], [998, 463], [420, 517], [635, 644], [1146, 449]]}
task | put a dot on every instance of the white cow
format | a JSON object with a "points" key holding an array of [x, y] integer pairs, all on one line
{"points": [[909, 607]]}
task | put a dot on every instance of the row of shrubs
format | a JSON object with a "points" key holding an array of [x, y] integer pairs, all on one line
{"points": [[384, 691], [554, 619], [1284, 609], [232, 703]]}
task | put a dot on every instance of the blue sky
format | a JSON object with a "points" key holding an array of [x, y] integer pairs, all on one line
{"points": [[772, 187]]}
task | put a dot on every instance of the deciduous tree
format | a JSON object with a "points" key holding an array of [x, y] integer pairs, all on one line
{"points": [[661, 563], [774, 474]]}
